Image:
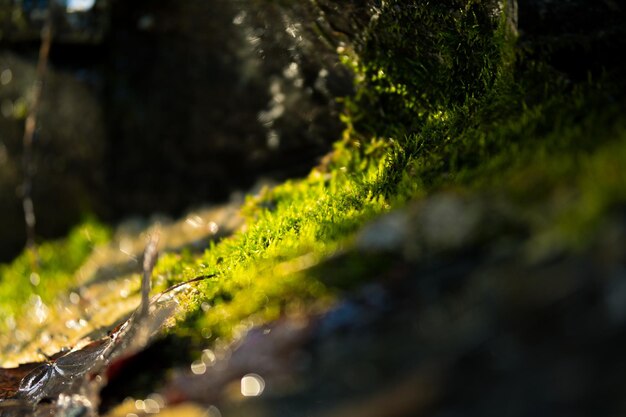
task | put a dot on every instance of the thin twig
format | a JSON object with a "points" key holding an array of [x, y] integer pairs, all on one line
{"points": [[189, 281], [149, 260], [29, 135]]}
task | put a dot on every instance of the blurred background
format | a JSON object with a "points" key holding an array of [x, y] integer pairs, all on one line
{"points": [[157, 106]]}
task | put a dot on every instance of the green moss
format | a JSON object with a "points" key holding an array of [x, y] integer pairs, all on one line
{"points": [[414, 60], [53, 273], [459, 105], [482, 118], [264, 270], [444, 100]]}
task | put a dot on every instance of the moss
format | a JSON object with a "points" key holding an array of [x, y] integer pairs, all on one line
{"points": [[510, 125], [54, 271], [264, 270], [459, 105], [414, 60], [292, 253], [444, 100]]}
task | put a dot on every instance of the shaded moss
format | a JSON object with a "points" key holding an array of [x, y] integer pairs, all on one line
{"points": [[423, 57]]}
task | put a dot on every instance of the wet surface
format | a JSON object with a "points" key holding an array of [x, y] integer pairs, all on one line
{"points": [[108, 289], [69, 381]]}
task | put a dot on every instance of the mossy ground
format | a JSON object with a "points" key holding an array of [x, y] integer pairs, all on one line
{"points": [[47, 273], [499, 121]]}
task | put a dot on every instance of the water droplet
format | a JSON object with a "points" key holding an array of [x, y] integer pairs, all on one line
{"points": [[213, 227], [198, 367], [194, 221], [35, 279], [275, 87], [240, 18], [74, 298], [40, 309], [252, 385], [291, 71], [151, 406], [208, 357], [158, 398], [140, 405], [212, 411], [45, 338]]}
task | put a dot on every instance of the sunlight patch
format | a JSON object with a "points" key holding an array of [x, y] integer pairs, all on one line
{"points": [[73, 6]]}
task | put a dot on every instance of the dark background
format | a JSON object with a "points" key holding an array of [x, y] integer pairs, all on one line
{"points": [[156, 106]]}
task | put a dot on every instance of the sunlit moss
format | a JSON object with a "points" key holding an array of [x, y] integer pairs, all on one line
{"points": [[444, 99], [521, 130], [53, 271], [265, 269]]}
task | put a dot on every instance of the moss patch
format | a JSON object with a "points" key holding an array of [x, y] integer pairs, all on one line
{"points": [[497, 121], [54, 271]]}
